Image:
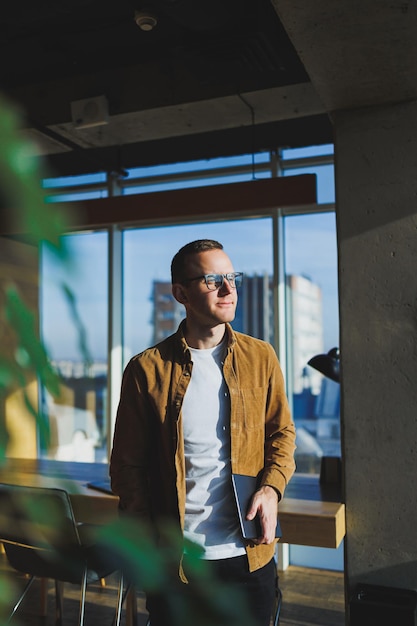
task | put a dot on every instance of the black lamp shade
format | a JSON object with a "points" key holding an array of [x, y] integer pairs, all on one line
{"points": [[327, 364]]}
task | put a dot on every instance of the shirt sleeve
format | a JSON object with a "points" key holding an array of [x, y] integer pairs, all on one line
{"points": [[129, 461], [279, 433]]}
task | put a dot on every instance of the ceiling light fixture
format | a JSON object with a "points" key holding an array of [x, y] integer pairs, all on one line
{"points": [[145, 19], [90, 112]]}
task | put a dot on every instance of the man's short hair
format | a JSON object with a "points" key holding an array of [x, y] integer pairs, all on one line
{"points": [[194, 247]]}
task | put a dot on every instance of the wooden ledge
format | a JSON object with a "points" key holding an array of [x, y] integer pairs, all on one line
{"points": [[315, 519], [312, 522]]}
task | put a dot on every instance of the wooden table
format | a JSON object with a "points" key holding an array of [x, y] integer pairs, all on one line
{"points": [[311, 514]]}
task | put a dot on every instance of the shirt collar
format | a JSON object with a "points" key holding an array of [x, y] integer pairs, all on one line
{"points": [[183, 347]]}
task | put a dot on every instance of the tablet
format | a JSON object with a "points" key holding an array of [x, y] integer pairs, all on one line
{"points": [[101, 485], [244, 487]]}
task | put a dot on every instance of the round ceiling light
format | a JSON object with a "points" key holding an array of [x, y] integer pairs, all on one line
{"points": [[145, 20]]}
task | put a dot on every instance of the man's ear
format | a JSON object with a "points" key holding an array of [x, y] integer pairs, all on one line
{"points": [[179, 294]]}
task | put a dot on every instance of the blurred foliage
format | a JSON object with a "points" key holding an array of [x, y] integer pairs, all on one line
{"points": [[148, 567], [25, 212], [20, 176], [44, 224], [81, 333], [30, 359]]}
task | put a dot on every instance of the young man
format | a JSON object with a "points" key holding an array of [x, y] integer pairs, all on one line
{"points": [[206, 402]]}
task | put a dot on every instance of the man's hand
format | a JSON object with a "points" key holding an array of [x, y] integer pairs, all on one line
{"points": [[265, 504]]}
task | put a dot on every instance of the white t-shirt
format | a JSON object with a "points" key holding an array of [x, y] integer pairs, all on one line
{"points": [[210, 510]]}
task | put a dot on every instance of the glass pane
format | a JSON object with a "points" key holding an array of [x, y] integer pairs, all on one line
{"points": [[197, 173], [74, 188], [313, 328], [307, 151], [151, 313], [323, 172], [78, 417], [74, 181], [325, 180], [199, 166]]}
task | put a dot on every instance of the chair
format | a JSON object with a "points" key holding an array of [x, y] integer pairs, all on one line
{"points": [[42, 539]]}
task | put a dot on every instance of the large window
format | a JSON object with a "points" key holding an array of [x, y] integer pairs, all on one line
{"points": [[120, 288]]}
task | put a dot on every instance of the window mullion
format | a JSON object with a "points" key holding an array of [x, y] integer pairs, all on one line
{"points": [[115, 328], [115, 308]]}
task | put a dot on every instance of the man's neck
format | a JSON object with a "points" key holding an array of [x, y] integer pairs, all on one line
{"points": [[204, 338]]}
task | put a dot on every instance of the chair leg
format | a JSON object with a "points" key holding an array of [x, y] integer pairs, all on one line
{"points": [[82, 598], [131, 607], [127, 595], [20, 600], [119, 601], [278, 607], [59, 601], [44, 597]]}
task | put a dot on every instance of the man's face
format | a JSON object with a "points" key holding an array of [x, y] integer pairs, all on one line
{"points": [[205, 307]]}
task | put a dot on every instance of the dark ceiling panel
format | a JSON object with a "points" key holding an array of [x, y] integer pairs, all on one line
{"points": [[57, 52], [44, 40]]}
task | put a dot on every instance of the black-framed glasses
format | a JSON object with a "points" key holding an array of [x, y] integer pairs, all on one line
{"points": [[216, 281]]}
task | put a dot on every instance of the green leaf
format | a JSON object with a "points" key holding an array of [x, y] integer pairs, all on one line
{"points": [[31, 354]]}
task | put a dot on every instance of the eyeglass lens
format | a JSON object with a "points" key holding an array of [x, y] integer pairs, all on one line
{"points": [[215, 281]]}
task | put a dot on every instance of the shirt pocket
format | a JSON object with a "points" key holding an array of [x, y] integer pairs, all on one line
{"points": [[253, 401]]}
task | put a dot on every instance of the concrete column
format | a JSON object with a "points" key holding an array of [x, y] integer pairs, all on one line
{"points": [[376, 183]]}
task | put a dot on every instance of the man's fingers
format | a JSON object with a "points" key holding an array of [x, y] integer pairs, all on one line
{"points": [[265, 504]]}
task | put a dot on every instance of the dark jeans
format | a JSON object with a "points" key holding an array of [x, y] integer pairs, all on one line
{"points": [[228, 594]]}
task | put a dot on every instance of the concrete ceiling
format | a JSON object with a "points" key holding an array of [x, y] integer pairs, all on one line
{"points": [[217, 77], [357, 53], [211, 77]]}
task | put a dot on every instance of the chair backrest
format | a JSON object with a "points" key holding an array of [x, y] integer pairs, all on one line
{"points": [[39, 532], [36, 516]]}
